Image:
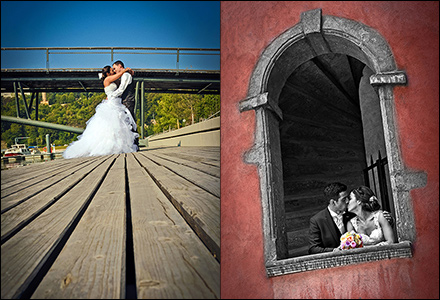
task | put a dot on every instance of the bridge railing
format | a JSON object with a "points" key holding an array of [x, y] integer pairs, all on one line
{"points": [[198, 60]]}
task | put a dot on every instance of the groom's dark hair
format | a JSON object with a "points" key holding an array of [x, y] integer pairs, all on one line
{"points": [[120, 63], [332, 190]]}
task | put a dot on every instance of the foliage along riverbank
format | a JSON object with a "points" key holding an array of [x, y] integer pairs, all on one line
{"points": [[162, 112]]}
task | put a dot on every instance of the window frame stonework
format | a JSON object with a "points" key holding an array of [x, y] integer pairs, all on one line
{"points": [[314, 35]]}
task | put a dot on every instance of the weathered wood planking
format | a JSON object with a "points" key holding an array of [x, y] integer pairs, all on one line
{"points": [[13, 219], [91, 264], [199, 208], [21, 174], [29, 189], [67, 239], [171, 261], [32, 248], [205, 181]]}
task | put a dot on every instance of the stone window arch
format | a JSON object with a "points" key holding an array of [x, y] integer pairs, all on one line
{"points": [[317, 35]]}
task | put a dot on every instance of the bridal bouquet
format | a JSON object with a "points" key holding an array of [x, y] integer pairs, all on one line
{"points": [[351, 240]]}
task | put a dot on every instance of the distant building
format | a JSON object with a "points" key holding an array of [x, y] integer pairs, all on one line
{"points": [[44, 99]]}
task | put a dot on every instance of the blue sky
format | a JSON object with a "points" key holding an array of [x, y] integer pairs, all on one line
{"points": [[184, 24]]}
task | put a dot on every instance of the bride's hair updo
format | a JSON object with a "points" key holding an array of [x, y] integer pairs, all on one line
{"points": [[105, 72], [367, 198]]}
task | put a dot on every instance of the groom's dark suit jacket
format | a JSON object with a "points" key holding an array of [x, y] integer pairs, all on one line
{"points": [[324, 235], [128, 97]]}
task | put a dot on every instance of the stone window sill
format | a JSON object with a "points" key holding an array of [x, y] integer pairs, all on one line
{"points": [[340, 258]]}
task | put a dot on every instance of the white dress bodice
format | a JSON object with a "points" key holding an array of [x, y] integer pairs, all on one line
{"points": [[110, 89], [376, 236]]}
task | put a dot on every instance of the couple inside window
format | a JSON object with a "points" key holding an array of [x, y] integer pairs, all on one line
{"points": [[352, 219]]}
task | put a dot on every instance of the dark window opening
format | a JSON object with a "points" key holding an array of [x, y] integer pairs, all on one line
{"points": [[331, 129]]}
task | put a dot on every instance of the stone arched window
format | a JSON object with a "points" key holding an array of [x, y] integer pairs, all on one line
{"points": [[317, 42]]}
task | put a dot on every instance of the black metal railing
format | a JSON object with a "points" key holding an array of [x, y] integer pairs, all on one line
{"points": [[375, 177], [178, 52]]}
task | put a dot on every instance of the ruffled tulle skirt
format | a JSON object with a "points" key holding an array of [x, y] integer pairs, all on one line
{"points": [[108, 131]]}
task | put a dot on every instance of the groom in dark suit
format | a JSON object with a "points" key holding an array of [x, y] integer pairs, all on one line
{"points": [[126, 90], [327, 226]]}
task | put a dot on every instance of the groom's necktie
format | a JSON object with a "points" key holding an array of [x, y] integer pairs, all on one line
{"points": [[339, 223]]}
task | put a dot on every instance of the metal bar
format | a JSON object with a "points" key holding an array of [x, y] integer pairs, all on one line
{"points": [[142, 110], [17, 105], [31, 102], [47, 60], [42, 124], [136, 98], [37, 103], [159, 53], [374, 177], [24, 100], [108, 48], [78, 52], [82, 86], [48, 147], [177, 61], [204, 88], [382, 184]]}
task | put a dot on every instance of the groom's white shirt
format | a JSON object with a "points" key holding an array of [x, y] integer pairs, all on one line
{"points": [[125, 80]]}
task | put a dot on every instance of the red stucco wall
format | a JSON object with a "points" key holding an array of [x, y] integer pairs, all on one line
{"points": [[412, 30]]}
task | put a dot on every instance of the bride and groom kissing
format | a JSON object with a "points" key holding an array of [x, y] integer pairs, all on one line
{"points": [[358, 211], [112, 129]]}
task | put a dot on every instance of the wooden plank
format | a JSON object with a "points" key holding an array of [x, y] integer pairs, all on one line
{"points": [[171, 261], [58, 177], [208, 169], [90, 266], [205, 181], [199, 208], [17, 175], [12, 220], [35, 177], [31, 250]]}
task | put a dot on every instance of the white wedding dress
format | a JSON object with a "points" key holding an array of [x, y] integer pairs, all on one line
{"points": [[108, 131], [376, 236]]}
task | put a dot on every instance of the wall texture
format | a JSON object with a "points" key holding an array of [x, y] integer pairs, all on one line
{"points": [[411, 29]]}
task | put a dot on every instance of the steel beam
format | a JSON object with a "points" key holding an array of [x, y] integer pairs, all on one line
{"points": [[136, 98], [41, 124], [24, 100], [37, 102], [17, 105], [142, 110]]}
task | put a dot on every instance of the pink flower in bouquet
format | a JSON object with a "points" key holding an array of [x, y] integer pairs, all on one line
{"points": [[351, 240]]}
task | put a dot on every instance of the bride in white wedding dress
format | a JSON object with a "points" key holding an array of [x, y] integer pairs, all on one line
{"points": [[369, 222], [109, 130]]}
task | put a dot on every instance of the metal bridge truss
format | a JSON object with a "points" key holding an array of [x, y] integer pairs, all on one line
{"points": [[35, 81]]}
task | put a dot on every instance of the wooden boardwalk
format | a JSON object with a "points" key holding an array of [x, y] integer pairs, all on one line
{"points": [[143, 225]]}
